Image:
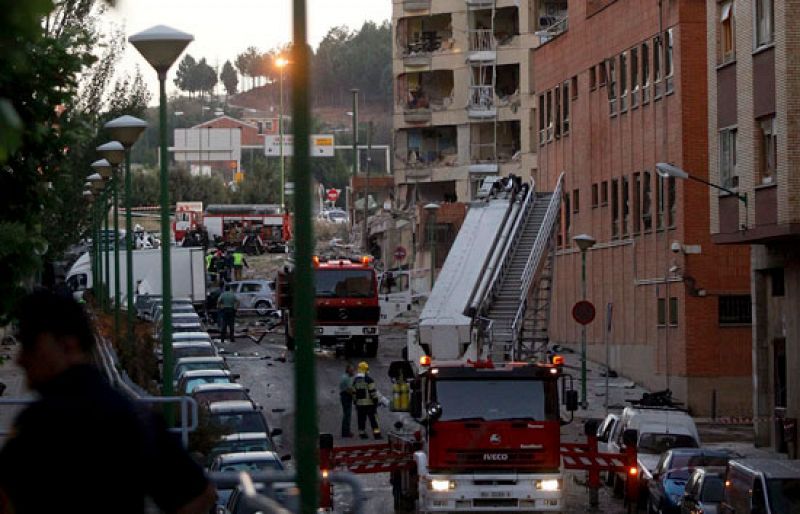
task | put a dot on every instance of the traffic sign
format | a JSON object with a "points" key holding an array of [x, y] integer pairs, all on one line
{"points": [[583, 312], [332, 194], [400, 253]]}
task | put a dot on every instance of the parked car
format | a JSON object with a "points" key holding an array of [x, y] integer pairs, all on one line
{"points": [[193, 349], [671, 474], [206, 394], [178, 305], [336, 216], [659, 429], [704, 492], [254, 295], [604, 432], [248, 462], [244, 442], [190, 379], [186, 337], [762, 486], [237, 416], [198, 363]]}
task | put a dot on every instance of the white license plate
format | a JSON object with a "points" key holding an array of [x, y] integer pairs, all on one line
{"points": [[341, 330], [495, 494]]}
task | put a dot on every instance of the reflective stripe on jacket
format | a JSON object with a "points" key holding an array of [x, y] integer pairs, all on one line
{"points": [[238, 259], [366, 394]]}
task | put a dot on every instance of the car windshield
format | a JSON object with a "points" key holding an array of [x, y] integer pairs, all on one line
{"points": [[713, 489], [194, 382], [206, 397], [255, 465], [253, 445], [335, 283], [235, 422], [683, 462], [195, 351], [659, 443], [191, 366], [784, 495], [337, 214], [496, 399]]}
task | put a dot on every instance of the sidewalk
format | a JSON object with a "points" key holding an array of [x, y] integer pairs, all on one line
{"points": [[736, 439]]}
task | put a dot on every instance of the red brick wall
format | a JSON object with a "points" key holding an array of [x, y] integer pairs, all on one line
{"points": [[250, 135], [629, 271]]}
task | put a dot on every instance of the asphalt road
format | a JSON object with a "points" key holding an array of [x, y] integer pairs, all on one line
{"points": [[267, 369]]}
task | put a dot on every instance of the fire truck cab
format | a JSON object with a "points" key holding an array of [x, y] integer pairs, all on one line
{"points": [[492, 438]]}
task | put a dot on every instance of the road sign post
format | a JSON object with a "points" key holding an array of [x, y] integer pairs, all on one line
{"points": [[332, 194]]}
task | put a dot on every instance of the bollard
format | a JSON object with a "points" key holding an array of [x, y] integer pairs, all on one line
{"points": [[590, 428]]}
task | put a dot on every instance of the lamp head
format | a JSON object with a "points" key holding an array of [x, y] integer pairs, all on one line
{"points": [[666, 169], [103, 167], [432, 207], [161, 46], [584, 241], [281, 62], [126, 129], [113, 152]]}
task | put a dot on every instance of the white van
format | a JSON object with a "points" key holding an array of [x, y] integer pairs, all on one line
{"points": [[659, 429], [762, 486]]}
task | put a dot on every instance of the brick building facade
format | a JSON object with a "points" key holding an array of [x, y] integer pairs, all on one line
{"points": [[754, 102], [617, 93]]}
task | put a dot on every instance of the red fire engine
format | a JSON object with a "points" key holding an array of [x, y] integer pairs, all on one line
{"points": [[347, 305]]}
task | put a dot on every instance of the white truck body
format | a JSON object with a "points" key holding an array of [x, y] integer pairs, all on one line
{"points": [[188, 274]]}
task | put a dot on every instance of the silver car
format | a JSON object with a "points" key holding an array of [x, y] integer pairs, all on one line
{"points": [[254, 295]]}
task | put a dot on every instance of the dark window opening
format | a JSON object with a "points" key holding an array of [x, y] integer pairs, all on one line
{"points": [[604, 193], [614, 208], [735, 309], [776, 279], [595, 195]]}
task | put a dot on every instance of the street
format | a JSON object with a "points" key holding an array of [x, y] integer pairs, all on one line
{"points": [[271, 383]]}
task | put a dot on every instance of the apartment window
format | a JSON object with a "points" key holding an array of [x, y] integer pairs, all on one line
{"points": [[727, 35], [660, 202], [727, 158], [647, 202], [645, 73], [662, 312], [604, 193], [673, 311], [767, 150], [778, 288], [557, 109], [671, 196], [567, 218], [574, 84], [612, 86], [735, 309], [260, 127], [668, 62], [576, 200], [623, 82], [603, 73], [637, 202], [614, 208], [634, 77], [765, 22], [542, 127], [595, 195], [592, 78], [656, 67], [549, 116], [625, 205], [565, 107]]}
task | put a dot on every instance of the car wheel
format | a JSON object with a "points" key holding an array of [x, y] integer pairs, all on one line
{"points": [[262, 308]]}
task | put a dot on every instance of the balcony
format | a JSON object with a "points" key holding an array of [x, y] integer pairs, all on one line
{"points": [[422, 93], [422, 149], [491, 147], [480, 4], [416, 5], [553, 20], [419, 37], [481, 102], [482, 45]]}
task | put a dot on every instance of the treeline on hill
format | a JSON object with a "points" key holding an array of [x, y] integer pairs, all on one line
{"points": [[345, 59]]}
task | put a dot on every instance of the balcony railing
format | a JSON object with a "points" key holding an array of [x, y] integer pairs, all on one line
{"points": [[481, 40], [551, 27], [416, 159], [479, 4], [481, 101], [416, 5]]}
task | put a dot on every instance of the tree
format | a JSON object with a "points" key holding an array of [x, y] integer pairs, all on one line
{"points": [[248, 63], [205, 77], [229, 78], [185, 75]]}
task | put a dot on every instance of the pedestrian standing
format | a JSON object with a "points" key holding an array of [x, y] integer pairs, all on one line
{"points": [[239, 262], [367, 398], [346, 394], [86, 431], [228, 265], [227, 303]]}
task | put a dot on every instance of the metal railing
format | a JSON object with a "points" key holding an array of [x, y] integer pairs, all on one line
{"points": [[483, 152], [481, 40], [555, 27], [481, 98]]}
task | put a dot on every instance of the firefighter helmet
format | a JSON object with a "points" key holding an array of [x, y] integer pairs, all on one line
{"points": [[363, 367]]}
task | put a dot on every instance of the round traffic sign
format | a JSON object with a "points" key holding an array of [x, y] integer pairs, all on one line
{"points": [[399, 253], [583, 312], [332, 194]]}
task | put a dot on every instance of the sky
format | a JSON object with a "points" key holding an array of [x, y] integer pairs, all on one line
{"points": [[224, 28]]}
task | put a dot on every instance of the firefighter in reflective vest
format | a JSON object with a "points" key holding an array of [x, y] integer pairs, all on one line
{"points": [[367, 399], [238, 263]]}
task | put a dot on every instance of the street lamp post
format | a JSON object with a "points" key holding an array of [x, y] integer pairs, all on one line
{"points": [[95, 187], [584, 242], [281, 63], [126, 130], [161, 46], [432, 209], [114, 153], [104, 169]]}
